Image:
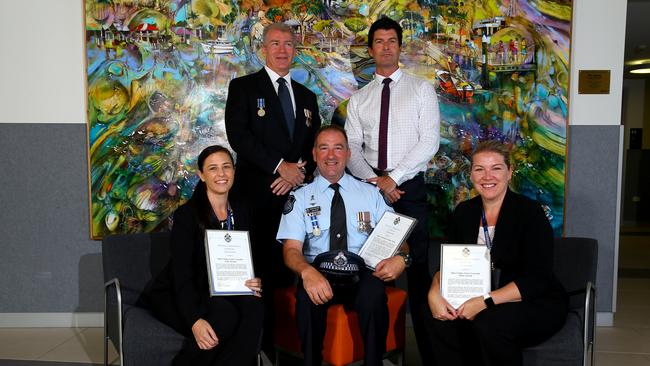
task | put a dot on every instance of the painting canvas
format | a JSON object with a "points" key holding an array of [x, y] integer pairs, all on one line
{"points": [[158, 74]]}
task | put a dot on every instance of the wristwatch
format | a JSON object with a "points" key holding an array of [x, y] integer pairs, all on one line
{"points": [[407, 258], [489, 302]]}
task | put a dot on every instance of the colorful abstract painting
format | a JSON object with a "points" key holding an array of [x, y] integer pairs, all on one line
{"points": [[158, 74]]}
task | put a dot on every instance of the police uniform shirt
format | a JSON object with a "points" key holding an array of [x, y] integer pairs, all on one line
{"points": [[315, 199]]}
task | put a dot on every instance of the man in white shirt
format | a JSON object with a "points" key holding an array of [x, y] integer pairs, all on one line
{"points": [[393, 126]]}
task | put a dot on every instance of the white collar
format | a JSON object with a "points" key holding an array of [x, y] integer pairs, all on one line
{"points": [[275, 76]]}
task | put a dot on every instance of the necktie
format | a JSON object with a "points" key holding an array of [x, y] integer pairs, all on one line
{"points": [[383, 125], [338, 229], [287, 106]]}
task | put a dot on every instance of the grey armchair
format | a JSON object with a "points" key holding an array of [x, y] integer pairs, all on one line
{"points": [[575, 266], [130, 262], [575, 262]]}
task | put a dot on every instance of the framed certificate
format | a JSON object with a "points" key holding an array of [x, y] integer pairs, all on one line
{"points": [[230, 263], [464, 272], [386, 238]]}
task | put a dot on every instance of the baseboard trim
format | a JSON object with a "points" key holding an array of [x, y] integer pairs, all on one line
{"points": [[81, 320], [604, 319], [51, 320]]}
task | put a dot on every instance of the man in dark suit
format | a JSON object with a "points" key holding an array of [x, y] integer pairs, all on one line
{"points": [[271, 122]]}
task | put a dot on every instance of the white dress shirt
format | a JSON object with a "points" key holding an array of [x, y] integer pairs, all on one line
{"points": [[413, 127], [274, 80]]}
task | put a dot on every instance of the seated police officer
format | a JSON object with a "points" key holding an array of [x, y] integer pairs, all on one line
{"points": [[324, 225]]}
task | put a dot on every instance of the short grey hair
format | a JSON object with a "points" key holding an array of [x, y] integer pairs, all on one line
{"points": [[279, 27]]}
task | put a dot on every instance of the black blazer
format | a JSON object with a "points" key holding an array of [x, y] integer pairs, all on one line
{"points": [[522, 243], [179, 296], [261, 141]]}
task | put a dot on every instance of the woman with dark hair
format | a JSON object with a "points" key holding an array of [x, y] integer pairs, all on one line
{"points": [[528, 304], [222, 330]]}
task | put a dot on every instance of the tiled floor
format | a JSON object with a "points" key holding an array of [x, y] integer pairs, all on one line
{"points": [[626, 343], [82, 345]]}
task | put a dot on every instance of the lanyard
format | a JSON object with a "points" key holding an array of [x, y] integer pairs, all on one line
{"points": [[486, 233], [230, 220]]}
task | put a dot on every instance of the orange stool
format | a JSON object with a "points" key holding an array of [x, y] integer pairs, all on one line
{"points": [[343, 343]]}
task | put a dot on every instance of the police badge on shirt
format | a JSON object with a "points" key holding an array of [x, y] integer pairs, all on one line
{"points": [[288, 206]]}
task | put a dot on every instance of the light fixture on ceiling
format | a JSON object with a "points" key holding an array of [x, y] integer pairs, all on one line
{"points": [[638, 62], [645, 70]]}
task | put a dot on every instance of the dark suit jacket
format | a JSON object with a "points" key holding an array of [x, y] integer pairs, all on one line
{"points": [[260, 142], [522, 244], [179, 296]]}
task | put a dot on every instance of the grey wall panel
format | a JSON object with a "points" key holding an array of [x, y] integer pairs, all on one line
{"points": [[48, 262], [591, 199]]}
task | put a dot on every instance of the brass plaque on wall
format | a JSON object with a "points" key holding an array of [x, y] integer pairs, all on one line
{"points": [[593, 81]]}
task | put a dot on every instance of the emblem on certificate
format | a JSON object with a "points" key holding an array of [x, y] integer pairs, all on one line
{"points": [[307, 117], [260, 105], [363, 222], [386, 238]]}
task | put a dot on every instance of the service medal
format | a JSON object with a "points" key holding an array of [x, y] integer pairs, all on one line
{"points": [[260, 105], [307, 117], [313, 213], [363, 222]]}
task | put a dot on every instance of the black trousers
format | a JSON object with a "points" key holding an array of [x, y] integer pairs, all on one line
{"points": [[267, 255], [369, 300], [414, 203], [497, 335], [237, 321]]}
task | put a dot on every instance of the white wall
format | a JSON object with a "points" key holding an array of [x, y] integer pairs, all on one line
{"points": [[42, 64], [598, 43]]}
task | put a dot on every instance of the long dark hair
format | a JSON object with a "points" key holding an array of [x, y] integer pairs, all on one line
{"points": [[199, 199]]}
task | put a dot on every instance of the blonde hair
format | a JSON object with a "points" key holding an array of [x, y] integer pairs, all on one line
{"points": [[495, 147]]}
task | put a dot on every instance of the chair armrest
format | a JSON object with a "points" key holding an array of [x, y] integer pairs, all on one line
{"points": [[113, 313], [589, 332]]}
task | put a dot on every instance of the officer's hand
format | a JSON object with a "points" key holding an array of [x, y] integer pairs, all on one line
{"points": [[280, 186], [316, 286], [292, 172], [390, 268]]}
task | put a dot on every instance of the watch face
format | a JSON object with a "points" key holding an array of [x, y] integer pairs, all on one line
{"points": [[489, 302]]}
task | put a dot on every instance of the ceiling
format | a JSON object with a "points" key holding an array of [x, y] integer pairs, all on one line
{"points": [[637, 34]]}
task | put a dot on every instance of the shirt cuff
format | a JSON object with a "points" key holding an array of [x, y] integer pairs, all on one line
{"points": [[396, 176], [277, 166]]}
